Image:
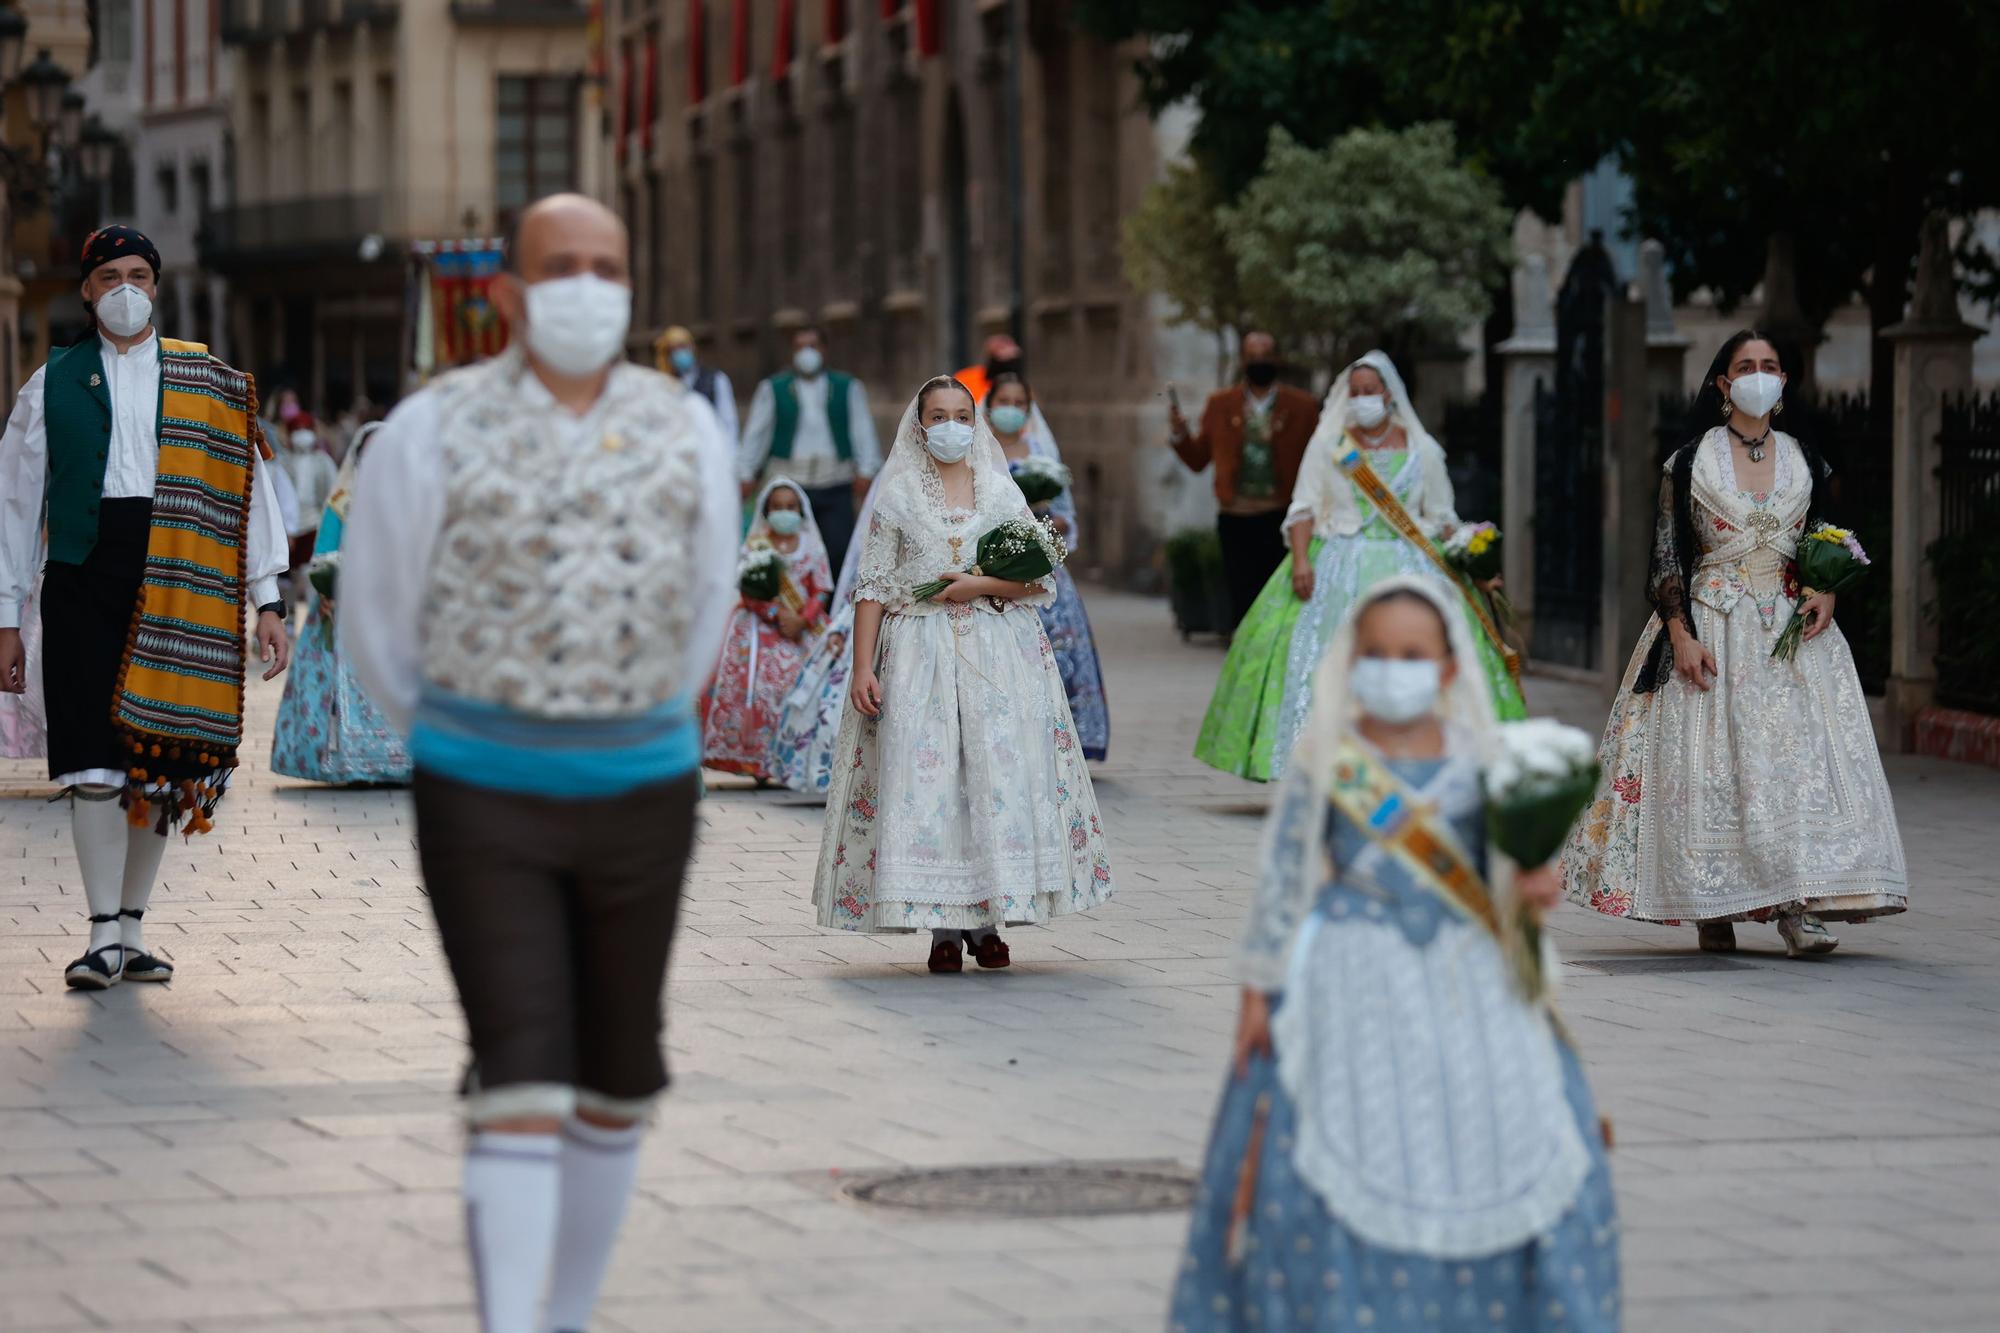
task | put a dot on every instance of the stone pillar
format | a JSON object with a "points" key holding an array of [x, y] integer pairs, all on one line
{"points": [[1631, 483], [1933, 362], [1666, 346], [1527, 358]]}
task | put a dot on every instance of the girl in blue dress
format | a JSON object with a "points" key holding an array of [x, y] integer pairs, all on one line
{"points": [[1405, 1142]]}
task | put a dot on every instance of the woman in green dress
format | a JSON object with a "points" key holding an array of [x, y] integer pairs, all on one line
{"points": [[1342, 544]]}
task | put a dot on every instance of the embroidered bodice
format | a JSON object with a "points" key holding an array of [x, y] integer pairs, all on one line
{"points": [[558, 588], [1747, 538]]}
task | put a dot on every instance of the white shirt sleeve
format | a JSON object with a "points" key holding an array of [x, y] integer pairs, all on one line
{"points": [[24, 480], [725, 409], [757, 433], [393, 521], [861, 430], [267, 551], [713, 586]]}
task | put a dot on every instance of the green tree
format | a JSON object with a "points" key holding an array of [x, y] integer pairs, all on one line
{"points": [[1174, 245], [1382, 238]]}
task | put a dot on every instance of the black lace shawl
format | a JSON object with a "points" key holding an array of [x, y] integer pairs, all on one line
{"points": [[1677, 548]]}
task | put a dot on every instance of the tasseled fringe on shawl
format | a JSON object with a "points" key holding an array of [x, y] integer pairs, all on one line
{"points": [[187, 804]]}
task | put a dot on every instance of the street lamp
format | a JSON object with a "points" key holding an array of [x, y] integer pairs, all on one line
{"points": [[13, 41], [69, 120], [97, 151], [45, 81]]}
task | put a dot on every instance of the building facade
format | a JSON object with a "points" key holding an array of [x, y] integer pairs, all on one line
{"points": [[846, 164], [40, 306], [362, 129]]}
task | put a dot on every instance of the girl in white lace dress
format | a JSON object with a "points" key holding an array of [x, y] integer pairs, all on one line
{"points": [[960, 799]]}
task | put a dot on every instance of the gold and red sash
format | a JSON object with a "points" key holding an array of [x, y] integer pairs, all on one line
{"points": [[1364, 477]]}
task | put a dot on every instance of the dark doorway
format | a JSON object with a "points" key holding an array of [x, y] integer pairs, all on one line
{"points": [[957, 237]]}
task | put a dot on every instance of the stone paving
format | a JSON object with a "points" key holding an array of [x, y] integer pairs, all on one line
{"points": [[269, 1143]]}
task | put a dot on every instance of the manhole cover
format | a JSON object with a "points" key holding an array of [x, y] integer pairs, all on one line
{"points": [[1618, 967], [1062, 1189]]}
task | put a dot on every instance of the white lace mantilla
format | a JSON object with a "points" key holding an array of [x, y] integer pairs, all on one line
{"points": [[915, 535], [559, 585]]}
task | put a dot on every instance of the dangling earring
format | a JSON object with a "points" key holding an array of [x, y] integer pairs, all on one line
{"points": [[1779, 410], [1727, 407]]}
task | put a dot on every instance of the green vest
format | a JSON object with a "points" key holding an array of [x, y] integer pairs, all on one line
{"points": [[76, 412], [785, 426]]}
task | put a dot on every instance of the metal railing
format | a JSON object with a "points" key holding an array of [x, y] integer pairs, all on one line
{"points": [[267, 20], [556, 12], [1966, 556], [293, 226]]}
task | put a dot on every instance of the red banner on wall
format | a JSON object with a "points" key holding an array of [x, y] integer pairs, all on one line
{"points": [[781, 58], [468, 323], [739, 42], [930, 37]]}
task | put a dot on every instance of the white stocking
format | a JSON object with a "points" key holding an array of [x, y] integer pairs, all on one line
{"points": [[512, 1183], [143, 850], [98, 826], [599, 1168]]}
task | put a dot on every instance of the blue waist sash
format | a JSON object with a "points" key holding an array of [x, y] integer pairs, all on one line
{"points": [[487, 745]]}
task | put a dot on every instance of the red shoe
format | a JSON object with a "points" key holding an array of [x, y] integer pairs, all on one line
{"points": [[991, 951], [946, 956]]}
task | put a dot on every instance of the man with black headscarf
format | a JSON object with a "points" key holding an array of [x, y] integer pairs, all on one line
{"points": [[142, 458]]}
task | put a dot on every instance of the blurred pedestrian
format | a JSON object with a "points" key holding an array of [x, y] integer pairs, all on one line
{"points": [[1010, 411], [812, 424], [539, 561], [1255, 433], [967, 805], [160, 542], [1343, 543], [675, 353], [769, 638], [1406, 1141], [1740, 784], [312, 473]]}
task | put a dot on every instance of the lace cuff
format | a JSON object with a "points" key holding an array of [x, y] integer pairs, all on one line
{"points": [[881, 576]]}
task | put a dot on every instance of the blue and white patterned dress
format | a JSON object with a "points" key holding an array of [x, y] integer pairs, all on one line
{"points": [[1431, 1157], [1068, 629]]}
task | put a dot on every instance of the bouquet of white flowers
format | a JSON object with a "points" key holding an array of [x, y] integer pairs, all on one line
{"points": [[1541, 777], [759, 573], [1019, 551], [1040, 479]]}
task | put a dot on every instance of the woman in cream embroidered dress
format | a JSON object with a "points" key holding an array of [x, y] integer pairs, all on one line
{"points": [[1404, 1143], [1341, 547], [960, 799], [1738, 786]]}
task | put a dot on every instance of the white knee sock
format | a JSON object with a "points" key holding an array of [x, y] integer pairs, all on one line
{"points": [[98, 826], [143, 850], [599, 1168], [511, 1188]]}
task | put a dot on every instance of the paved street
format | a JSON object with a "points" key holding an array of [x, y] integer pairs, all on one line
{"points": [[270, 1144]]}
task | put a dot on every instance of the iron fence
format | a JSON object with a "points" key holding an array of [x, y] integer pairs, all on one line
{"points": [[1966, 558]]}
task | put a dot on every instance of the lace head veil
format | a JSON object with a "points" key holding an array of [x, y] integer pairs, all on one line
{"points": [[1321, 469], [760, 523]]}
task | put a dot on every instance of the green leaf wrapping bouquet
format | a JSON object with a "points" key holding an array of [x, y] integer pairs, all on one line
{"points": [[1020, 550], [1040, 479], [1542, 775]]}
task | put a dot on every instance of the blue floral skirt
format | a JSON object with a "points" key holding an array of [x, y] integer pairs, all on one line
{"points": [[327, 730], [1301, 1271], [1076, 661]]}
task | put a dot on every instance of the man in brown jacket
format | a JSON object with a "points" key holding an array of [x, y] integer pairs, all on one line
{"points": [[1255, 433]]}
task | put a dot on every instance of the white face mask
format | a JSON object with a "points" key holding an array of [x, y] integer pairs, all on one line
{"points": [[1757, 393], [1368, 411], [576, 325], [807, 361], [124, 311], [949, 441], [1395, 691]]}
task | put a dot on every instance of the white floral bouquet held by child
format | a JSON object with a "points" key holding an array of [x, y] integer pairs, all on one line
{"points": [[1540, 777], [759, 573], [1040, 478]]}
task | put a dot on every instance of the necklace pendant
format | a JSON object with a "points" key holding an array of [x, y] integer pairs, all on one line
{"points": [[1756, 453]]}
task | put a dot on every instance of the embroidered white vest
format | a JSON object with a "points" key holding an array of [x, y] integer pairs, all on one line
{"points": [[559, 584]]}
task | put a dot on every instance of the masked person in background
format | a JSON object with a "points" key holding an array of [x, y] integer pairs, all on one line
{"points": [[812, 425], [312, 474], [674, 353], [1255, 433], [540, 557], [145, 457]]}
